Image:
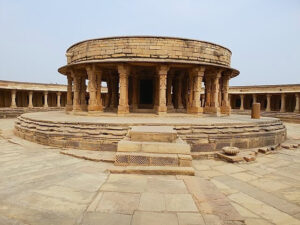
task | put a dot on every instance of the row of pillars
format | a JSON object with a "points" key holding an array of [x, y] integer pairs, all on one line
{"points": [[30, 97], [214, 96], [268, 107]]}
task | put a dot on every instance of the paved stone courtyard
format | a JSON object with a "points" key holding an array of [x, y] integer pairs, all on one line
{"points": [[40, 186]]}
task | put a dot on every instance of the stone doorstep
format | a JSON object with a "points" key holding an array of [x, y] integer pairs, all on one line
{"points": [[152, 159], [154, 170], [179, 147], [153, 133]]}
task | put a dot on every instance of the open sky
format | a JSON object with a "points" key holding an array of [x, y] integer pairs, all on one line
{"points": [[264, 35]]}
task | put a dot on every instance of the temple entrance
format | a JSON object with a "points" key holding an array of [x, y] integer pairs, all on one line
{"points": [[146, 94]]}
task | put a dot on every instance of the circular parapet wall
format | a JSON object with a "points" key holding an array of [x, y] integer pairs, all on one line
{"points": [[147, 48], [103, 133]]}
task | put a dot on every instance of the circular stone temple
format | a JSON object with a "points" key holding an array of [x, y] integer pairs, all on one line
{"points": [[148, 74], [139, 77]]}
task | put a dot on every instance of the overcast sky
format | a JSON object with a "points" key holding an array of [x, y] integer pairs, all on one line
{"points": [[264, 35]]}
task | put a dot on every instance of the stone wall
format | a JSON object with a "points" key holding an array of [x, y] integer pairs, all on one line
{"points": [[149, 48], [104, 136]]}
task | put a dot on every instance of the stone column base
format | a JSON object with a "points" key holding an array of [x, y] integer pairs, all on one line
{"points": [[225, 110], [161, 110], [212, 110], [123, 109], [98, 108], [84, 108], [195, 110], [69, 107]]}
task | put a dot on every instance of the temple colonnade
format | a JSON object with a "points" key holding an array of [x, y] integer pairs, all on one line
{"points": [[270, 102], [156, 88]]}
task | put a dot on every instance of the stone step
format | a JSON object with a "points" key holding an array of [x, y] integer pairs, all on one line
{"points": [[154, 170], [153, 133], [152, 159], [177, 147]]}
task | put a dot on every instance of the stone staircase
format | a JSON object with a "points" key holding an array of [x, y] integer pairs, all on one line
{"points": [[153, 150]]}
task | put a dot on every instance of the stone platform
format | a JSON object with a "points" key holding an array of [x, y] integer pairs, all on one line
{"points": [[203, 133], [153, 150]]}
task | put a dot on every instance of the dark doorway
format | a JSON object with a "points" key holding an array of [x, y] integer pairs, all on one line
{"points": [[146, 92]]}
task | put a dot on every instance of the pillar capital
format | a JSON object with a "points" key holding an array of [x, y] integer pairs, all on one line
{"points": [[197, 71], [162, 69], [123, 69]]}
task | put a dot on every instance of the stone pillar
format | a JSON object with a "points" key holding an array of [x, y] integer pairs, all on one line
{"points": [[179, 92], [94, 85], [225, 102], [58, 94], [83, 94], [282, 108], [297, 106], [98, 88], [45, 99], [169, 92], [214, 105], [134, 92], [254, 97], [123, 71], [207, 91], [268, 108], [196, 77], [13, 99], [242, 102], [69, 105], [76, 98], [255, 112], [156, 92], [162, 72], [30, 105]]}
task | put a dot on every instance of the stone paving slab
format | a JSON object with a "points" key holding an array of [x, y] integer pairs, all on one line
{"points": [[40, 186]]}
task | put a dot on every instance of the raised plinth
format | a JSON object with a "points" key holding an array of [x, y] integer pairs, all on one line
{"points": [[104, 132]]}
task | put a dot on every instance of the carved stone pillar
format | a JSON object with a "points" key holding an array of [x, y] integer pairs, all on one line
{"points": [[242, 102], [13, 99], [76, 98], [282, 107], [58, 94], [83, 94], [123, 71], [225, 102], [162, 72], [69, 105], [196, 85], [207, 83], [268, 108], [179, 92], [45, 99], [297, 106], [30, 105], [94, 76], [214, 105], [169, 92]]}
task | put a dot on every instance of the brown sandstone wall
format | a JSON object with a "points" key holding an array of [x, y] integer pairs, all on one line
{"points": [[149, 47]]}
